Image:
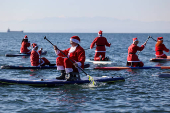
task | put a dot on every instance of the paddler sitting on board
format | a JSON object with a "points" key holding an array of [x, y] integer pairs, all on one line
{"points": [[159, 48], [100, 42], [75, 53], [132, 59], [24, 44], [35, 57]]}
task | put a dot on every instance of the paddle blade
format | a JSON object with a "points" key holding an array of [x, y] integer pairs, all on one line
{"points": [[45, 37], [91, 80]]}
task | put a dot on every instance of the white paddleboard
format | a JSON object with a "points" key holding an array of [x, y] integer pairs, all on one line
{"points": [[99, 62]]}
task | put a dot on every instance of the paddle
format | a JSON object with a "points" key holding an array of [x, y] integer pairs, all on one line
{"points": [[153, 39], [145, 42], [90, 78], [86, 48]]}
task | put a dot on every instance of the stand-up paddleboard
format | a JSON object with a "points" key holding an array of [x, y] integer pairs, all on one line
{"points": [[121, 68], [99, 62], [21, 54], [163, 74], [35, 67], [160, 59], [55, 82]]}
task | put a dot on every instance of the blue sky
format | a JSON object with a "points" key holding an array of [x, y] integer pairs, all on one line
{"points": [[85, 15]]}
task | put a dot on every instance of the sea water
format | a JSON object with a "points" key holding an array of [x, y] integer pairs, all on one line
{"points": [[140, 92]]}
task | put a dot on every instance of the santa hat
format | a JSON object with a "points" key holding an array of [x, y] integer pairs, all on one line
{"points": [[159, 38], [100, 32], [135, 39], [25, 37], [75, 39], [34, 45]]}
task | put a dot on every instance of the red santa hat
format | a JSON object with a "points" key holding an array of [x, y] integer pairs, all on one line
{"points": [[34, 45], [100, 32], [75, 39], [25, 37], [159, 38], [135, 39]]}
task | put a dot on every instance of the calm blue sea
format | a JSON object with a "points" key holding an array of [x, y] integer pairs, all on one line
{"points": [[141, 92]]}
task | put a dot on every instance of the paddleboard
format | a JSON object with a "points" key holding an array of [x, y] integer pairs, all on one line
{"points": [[121, 68], [163, 74], [99, 62], [34, 67], [21, 54], [160, 59], [55, 82]]}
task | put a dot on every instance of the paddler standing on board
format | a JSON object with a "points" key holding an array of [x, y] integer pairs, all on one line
{"points": [[159, 48], [75, 53], [35, 57], [24, 45], [132, 59], [100, 42]]}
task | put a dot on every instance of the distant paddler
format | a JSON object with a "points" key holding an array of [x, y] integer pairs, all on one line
{"points": [[100, 42], [35, 57], [159, 48], [24, 44], [132, 59], [73, 62]]}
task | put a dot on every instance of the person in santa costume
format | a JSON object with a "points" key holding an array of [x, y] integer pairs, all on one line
{"points": [[75, 53], [159, 48], [132, 58], [35, 57], [100, 42], [24, 45]]}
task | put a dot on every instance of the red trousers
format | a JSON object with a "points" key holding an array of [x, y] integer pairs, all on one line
{"points": [[97, 54], [65, 63]]}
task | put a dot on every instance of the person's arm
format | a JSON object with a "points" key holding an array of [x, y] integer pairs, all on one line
{"points": [[165, 49], [93, 43], [107, 44]]}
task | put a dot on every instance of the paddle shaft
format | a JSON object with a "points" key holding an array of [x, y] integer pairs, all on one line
{"points": [[145, 42], [66, 56], [86, 48], [153, 39]]}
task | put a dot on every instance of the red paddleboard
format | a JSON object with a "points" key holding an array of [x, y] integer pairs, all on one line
{"points": [[121, 68], [160, 59]]}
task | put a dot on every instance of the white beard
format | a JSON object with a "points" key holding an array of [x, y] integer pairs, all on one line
{"points": [[72, 49]]}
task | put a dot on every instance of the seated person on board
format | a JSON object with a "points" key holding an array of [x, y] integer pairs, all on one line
{"points": [[35, 57], [132, 58], [159, 48], [76, 53], [24, 44]]}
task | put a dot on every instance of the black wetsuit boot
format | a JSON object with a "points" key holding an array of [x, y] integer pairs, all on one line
{"points": [[62, 77], [73, 77], [70, 77]]}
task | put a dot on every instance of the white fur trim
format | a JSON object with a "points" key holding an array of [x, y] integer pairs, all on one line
{"points": [[160, 39], [159, 55], [68, 70], [74, 40], [60, 67], [135, 41]]}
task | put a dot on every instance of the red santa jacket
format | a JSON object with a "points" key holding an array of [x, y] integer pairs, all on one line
{"points": [[35, 60], [159, 49], [24, 46], [78, 55], [100, 42], [132, 52]]}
